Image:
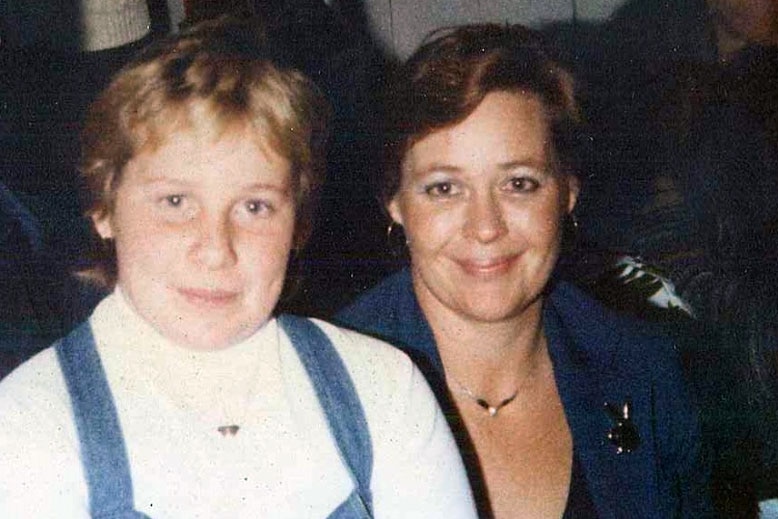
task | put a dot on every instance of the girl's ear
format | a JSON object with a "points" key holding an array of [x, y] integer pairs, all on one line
{"points": [[103, 226], [573, 190]]}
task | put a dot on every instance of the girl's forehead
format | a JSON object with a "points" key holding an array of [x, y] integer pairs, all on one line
{"points": [[221, 162]]}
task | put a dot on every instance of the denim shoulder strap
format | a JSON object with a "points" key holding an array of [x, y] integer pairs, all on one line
{"points": [[103, 453], [341, 405]]}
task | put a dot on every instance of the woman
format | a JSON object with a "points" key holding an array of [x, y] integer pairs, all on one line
{"points": [[562, 409], [182, 395]]}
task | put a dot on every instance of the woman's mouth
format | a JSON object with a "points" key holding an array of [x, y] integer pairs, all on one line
{"points": [[488, 267]]}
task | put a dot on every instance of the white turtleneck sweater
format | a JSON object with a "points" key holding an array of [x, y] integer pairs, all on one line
{"points": [[170, 402]]}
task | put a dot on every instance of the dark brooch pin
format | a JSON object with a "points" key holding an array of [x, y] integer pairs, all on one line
{"points": [[624, 434]]}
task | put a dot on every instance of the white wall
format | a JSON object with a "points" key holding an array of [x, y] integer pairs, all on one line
{"points": [[400, 25]]}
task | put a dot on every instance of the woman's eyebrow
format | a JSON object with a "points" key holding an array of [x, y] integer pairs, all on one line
{"points": [[524, 164], [440, 167], [267, 186]]}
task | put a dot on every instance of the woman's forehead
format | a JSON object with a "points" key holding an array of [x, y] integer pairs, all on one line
{"points": [[504, 128]]}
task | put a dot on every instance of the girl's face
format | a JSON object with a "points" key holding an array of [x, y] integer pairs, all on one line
{"points": [[203, 230]]}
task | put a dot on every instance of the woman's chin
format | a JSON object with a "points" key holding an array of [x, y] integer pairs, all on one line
{"points": [[495, 308]]}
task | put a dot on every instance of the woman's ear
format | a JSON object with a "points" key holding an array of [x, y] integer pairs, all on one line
{"points": [[102, 223], [394, 210], [573, 190]]}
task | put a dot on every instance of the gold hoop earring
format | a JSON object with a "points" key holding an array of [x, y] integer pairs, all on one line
{"points": [[396, 240], [573, 221], [106, 244], [570, 233]]}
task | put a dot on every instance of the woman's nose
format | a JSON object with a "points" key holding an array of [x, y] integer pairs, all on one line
{"points": [[214, 248], [485, 221]]}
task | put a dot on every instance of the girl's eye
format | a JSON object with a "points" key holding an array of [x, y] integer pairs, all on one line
{"points": [[253, 213], [174, 200], [523, 185], [177, 208], [441, 189]]}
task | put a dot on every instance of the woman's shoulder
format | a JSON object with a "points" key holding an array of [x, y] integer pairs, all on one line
{"points": [[380, 305], [390, 312], [603, 332]]}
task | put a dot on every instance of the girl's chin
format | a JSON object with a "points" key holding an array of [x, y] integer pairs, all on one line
{"points": [[204, 338]]}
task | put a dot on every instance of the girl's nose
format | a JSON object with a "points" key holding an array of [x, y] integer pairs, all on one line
{"points": [[215, 248]]}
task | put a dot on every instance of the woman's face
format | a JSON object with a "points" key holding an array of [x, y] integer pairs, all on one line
{"points": [[482, 208], [203, 231]]}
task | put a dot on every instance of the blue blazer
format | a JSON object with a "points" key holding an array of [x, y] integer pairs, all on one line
{"points": [[598, 358]]}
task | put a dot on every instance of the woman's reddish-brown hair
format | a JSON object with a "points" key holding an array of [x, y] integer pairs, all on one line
{"points": [[446, 79]]}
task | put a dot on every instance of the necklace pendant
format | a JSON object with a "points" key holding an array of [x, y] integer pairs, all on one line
{"points": [[486, 406], [230, 430]]}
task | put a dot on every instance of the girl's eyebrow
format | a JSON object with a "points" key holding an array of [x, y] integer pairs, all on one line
{"points": [[157, 181]]}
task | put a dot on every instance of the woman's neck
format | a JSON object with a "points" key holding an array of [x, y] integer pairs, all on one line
{"points": [[488, 357]]}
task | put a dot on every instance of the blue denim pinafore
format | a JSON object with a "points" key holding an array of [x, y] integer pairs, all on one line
{"points": [[104, 455]]}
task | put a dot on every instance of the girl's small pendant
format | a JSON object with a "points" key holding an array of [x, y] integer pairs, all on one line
{"points": [[230, 430]]}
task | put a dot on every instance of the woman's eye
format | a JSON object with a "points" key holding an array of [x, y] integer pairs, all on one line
{"points": [[258, 207], [251, 213], [441, 189], [523, 185]]}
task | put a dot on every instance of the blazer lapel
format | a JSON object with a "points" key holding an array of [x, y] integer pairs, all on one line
{"points": [[587, 379]]}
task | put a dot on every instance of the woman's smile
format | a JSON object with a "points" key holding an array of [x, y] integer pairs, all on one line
{"points": [[488, 268]]}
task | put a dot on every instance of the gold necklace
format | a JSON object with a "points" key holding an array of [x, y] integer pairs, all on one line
{"points": [[482, 402]]}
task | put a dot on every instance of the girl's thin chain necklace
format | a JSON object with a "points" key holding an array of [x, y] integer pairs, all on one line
{"points": [[236, 413], [234, 408]]}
